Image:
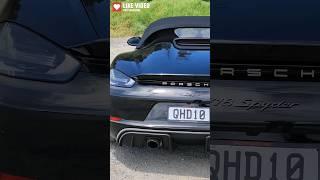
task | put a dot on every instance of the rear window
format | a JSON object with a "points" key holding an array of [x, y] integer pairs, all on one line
{"points": [[193, 33]]}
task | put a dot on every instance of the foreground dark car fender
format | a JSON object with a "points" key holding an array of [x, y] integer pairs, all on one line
{"points": [[52, 110]]}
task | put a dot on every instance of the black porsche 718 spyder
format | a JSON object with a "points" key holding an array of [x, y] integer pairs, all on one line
{"points": [[53, 103], [265, 94], [160, 91]]}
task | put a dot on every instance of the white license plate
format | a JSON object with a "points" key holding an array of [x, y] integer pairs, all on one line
{"points": [[189, 114], [230, 162]]}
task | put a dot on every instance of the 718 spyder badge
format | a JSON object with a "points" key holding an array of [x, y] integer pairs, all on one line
{"points": [[249, 104]]}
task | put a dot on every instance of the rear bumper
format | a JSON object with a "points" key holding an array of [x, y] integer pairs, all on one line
{"points": [[144, 110], [136, 103], [135, 133]]}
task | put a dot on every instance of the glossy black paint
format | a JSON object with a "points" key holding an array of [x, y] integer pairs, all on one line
{"points": [[266, 53], [273, 21], [260, 33], [63, 21], [50, 145], [258, 101], [163, 58], [48, 124], [55, 127], [98, 13], [264, 110], [70, 98], [136, 103]]}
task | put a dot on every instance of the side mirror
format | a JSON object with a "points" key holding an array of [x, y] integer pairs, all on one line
{"points": [[134, 41]]}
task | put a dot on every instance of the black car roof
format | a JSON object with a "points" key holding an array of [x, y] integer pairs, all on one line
{"points": [[175, 22]]}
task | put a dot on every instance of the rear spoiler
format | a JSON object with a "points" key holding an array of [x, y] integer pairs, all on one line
{"points": [[192, 43]]}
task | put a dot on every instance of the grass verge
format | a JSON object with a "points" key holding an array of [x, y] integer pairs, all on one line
{"points": [[134, 23]]}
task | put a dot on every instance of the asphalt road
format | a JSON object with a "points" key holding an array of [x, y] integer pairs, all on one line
{"points": [[185, 162]]}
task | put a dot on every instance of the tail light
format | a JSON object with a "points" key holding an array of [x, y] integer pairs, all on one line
{"points": [[113, 118], [25, 54], [4, 176]]}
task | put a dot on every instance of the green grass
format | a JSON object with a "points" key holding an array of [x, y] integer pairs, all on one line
{"points": [[134, 23]]}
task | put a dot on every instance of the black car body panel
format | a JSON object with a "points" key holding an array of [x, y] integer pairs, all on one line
{"points": [[164, 58], [272, 81], [140, 100], [43, 125], [266, 21], [281, 43], [244, 101], [98, 13], [60, 119], [143, 107], [70, 98], [41, 16], [260, 91], [278, 104]]}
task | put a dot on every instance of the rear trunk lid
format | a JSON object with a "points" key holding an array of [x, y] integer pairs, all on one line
{"points": [[163, 62], [273, 43], [258, 82]]}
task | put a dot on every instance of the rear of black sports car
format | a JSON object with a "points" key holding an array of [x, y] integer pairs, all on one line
{"points": [[265, 91], [53, 102], [160, 91]]}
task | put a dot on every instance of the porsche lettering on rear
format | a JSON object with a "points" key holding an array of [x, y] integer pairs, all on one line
{"points": [[267, 72], [186, 84]]}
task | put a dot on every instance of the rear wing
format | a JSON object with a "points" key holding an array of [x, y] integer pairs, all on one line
{"points": [[192, 43]]}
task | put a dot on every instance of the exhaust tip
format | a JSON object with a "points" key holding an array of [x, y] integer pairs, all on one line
{"points": [[154, 143]]}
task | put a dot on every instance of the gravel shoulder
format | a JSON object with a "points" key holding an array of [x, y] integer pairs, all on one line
{"points": [[185, 162], [119, 45]]}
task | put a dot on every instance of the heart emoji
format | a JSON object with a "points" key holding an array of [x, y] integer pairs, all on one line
{"points": [[116, 7]]}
